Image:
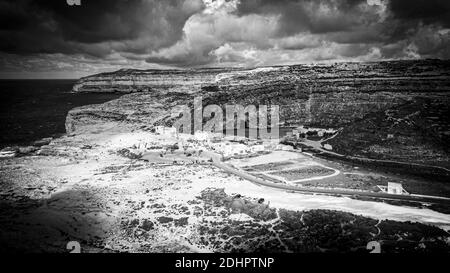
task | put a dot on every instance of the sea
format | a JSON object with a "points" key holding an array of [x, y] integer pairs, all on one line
{"points": [[34, 109]]}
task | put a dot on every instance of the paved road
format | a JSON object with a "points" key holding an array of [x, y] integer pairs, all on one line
{"points": [[261, 182]]}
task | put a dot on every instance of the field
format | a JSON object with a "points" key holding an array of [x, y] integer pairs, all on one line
{"points": [[304, 173], [270, 167], [286, 167]]}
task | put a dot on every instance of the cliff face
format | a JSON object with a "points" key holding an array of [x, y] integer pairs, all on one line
{"points": [[131, 81], [322, 95], [335, 95], [133, 111]]}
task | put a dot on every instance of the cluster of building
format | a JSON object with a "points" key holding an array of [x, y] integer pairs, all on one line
{"points": [[226, 146], [231, 149], [302, 134]]}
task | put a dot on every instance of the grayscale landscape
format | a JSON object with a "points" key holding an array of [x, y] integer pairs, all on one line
{"points": [[261, 127]]}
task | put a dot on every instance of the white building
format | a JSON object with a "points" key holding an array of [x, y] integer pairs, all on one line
{"points": [[393, 188]]}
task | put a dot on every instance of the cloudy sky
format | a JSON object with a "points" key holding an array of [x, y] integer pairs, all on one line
{"points": [[50, 39]]}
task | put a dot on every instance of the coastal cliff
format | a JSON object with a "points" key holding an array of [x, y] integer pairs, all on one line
{"points": [[324, 96], [131, 81]]}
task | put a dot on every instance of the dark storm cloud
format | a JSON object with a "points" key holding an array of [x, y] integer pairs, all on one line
{"points": [[298, 15], [426, 11], [402, 22], [49, 26], [316, 16]]}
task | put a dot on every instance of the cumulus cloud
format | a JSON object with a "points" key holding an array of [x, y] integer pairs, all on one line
{"points": [[206, 32], [264, 32]]}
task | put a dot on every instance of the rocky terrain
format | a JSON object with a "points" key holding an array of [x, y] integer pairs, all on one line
{"points": [[86, 188], [92, 186], [419, 129], [271, 230]]}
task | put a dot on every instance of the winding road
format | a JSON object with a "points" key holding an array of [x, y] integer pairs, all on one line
{"points": [[286, 187]]}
